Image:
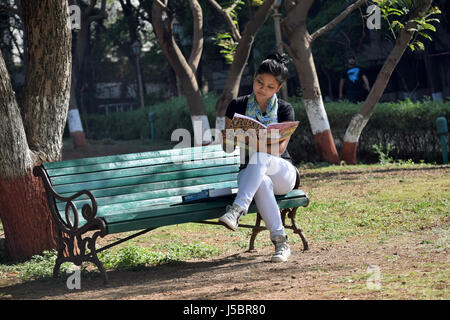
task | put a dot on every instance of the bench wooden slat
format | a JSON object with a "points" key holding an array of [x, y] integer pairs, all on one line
{"points": [[177, 187], [124, 161], [142, 212], [152, 187], [203, 175], [191, 216], [146, 195], [173, 206], [170, 160], [128, 157], [137, 171]]}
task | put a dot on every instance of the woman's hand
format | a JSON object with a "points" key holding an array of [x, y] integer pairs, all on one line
{"points": [[276, 149]]}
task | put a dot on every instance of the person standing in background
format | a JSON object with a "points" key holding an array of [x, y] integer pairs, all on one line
{"points": [[353, 82]]}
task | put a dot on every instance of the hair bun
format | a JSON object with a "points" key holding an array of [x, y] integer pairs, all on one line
{"points": [[281, 58]]}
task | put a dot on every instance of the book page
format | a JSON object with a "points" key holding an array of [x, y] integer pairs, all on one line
{"points": [[253, 129], [245, 123]]}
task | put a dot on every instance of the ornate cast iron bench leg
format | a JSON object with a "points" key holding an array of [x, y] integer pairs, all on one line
{"points": [[257, 229], [291, 212], [68, 253]]}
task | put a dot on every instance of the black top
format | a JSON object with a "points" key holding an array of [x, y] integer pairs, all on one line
{"points": [[285, 113], [353, 79]]}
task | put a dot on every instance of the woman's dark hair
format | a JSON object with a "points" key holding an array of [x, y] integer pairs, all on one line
{"points": [[275, 64]]}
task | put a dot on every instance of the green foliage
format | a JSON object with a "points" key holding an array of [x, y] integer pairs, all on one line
{"points": [[130, 257], [133, 257], [228, 45], [383, 153], [397, 12], [169, 115], [407, 125], [224, 39], [38, 267]]}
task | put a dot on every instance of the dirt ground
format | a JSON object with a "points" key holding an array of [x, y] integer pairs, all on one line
{"points": [[326, 271], [329, 270]]}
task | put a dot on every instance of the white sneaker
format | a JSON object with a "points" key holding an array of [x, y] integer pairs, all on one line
{"points": [[231, 218], [282, 249]]}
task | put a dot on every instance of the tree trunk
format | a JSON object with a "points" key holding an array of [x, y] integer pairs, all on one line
{"points": [[183, 69], [231, 89], [25, 216], [300, 48], [74, 120], [31, 130], [359, 121], [294, 26], [88, 15]]}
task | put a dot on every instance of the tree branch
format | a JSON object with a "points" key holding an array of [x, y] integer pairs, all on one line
{"points": [[297, 14], [101, 15], [163, 5], [234, 30], [336, 20], [197, 41]]}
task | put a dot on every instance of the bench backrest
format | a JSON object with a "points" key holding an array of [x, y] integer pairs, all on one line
{"points": [[157, 178]]}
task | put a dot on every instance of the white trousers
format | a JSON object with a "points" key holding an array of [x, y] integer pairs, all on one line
{"points": [[264, 177]]}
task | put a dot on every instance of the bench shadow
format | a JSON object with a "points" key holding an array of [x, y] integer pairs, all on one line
{"points": [[159, 279]]}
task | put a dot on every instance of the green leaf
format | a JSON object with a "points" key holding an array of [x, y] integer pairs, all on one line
{"points": [[429, 27], [425, 36], [398, 23], [420, 45]]}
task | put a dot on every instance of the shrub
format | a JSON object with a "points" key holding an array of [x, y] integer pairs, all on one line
{"points": [[408, 126]]}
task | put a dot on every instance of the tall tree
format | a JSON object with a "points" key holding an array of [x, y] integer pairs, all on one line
{"points": [[243, 45], [32, 125], [416, 22], [163, 21], [300, 49], [88, 14]]}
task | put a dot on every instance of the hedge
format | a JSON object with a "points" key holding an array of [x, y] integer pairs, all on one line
{"points": [[406, 125]]}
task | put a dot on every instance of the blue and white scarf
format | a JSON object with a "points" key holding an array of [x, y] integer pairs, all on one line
{"points": [[253, 110]]}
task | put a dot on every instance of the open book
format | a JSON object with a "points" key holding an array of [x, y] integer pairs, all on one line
{"points": [[275, 132]]}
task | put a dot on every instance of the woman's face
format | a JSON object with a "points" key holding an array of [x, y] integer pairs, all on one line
{"points": [[265, 86]]}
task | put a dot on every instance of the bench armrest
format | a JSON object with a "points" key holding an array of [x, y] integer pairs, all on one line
{"points": [[88, 211]]}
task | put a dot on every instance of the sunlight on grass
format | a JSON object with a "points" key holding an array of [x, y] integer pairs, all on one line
{"points": [[372, 204], [429, 283]]}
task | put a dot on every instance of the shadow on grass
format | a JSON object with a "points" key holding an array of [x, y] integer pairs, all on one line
{"points": [[141, 280]]}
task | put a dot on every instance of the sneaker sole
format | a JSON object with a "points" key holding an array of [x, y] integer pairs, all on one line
{"points": [[279, 259], [227, 224]]}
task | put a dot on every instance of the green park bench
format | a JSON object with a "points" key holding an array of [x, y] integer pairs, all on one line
{"points": [[94, 197]]}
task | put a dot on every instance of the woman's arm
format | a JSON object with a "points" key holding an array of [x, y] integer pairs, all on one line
{"points": [[276, 149]]}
